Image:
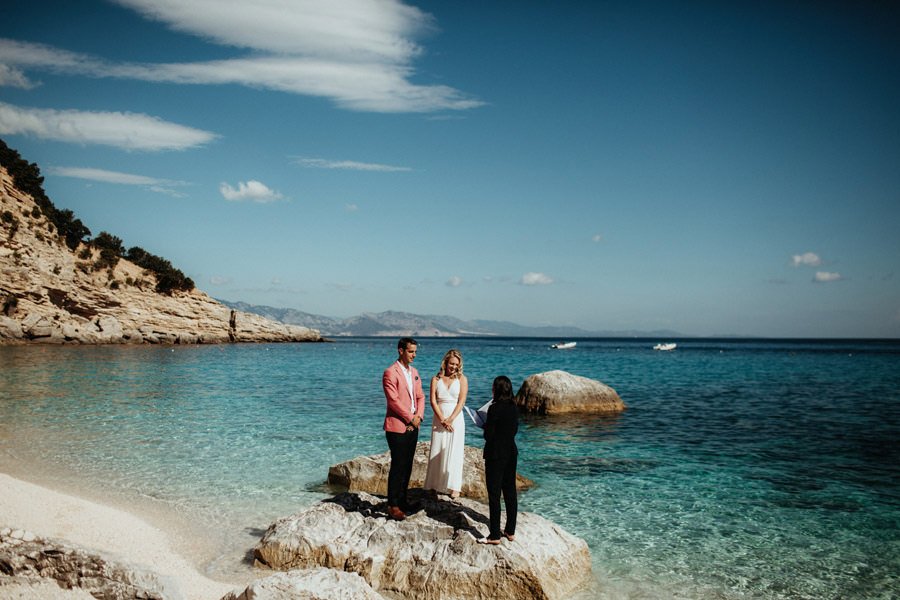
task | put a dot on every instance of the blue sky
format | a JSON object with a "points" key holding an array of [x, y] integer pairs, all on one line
{"points": [[707, 167]]}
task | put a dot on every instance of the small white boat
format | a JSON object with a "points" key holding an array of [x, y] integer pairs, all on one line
{"points": [[564, 345], [666, 347]]}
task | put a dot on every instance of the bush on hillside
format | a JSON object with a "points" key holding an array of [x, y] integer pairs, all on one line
{"points": [[168, 278], [27, 177]]}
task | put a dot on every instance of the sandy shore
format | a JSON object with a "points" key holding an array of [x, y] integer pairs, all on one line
{"points": [[111, 531]]}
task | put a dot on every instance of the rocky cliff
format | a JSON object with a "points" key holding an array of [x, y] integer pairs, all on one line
{"points": [[51, 294]]}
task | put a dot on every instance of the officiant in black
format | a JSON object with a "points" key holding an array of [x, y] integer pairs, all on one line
{"points": [[500, 459]]}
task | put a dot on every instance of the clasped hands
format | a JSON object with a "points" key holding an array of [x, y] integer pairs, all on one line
{"points": [[414, 424]]}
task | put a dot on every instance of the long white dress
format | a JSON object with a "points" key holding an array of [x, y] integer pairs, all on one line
{"points": [[445, 462]]}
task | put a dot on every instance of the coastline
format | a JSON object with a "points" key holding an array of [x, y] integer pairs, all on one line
{"points": [[114, 532]]}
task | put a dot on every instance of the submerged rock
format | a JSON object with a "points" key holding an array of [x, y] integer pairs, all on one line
{"points": [[559, 392], [433, 554], [370, 473]]}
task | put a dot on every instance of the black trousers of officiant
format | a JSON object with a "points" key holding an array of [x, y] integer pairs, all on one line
{"points": [[500, 476], [403, 452]]}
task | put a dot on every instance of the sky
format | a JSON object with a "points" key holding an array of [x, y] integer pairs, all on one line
{"points": [[712, 168]]}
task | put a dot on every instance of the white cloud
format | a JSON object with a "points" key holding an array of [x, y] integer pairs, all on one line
{"points": [[351, 208], [252, 190], [160, 186], [321, 163], [129, 131], [218, 280], [826, 277], [455, 281], [807, 259], [597, 238], [167, 191], [105, 176], [535, 279], [354, 29], [11, 77], [358, 53]]}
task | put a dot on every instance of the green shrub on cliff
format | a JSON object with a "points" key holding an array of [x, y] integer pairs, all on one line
{"points": [[168, 278], [107, 241], [27, 177]]}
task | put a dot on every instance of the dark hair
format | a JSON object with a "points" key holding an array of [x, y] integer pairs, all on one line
{"points": [[406, 341], [502, 389]]}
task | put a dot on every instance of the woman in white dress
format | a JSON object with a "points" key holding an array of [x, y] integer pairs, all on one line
{"points": [[448, 428]]}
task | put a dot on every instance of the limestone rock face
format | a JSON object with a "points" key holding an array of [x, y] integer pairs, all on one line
{"points": [[369, 473], [559, 392], [49, 294], [433, 554], [308, 584], [31, 561]]}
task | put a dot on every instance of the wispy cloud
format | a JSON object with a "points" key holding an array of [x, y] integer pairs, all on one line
{"points": [[535, 279], [826, 277], [597, 238], [807, 259], [219, 280], [455, 281], [129, 131], [161, 186], [350, 165], [11, 77], [351, 208], [359, 53], [105, 176], [252, 190], [359, 29]]}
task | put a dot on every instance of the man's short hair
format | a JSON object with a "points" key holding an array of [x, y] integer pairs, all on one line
{"points": [[406, 341]]}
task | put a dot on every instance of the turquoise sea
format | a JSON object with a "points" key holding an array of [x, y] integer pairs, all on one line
{"points": [[742, 469]]}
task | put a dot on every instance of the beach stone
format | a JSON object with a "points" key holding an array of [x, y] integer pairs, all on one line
{"points": [[27, 560], [308, 584], [559, 392], [369, 473], [433, 554]]}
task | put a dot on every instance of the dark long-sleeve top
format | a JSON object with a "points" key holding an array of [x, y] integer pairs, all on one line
{"points": [[500, 430]]}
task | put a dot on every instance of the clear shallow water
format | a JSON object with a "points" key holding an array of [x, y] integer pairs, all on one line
{"points": [[741, 469]]}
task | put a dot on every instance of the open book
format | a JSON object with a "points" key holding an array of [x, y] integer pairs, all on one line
{"points": [[478, 416]]}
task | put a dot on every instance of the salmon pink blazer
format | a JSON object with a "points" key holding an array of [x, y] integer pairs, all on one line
{"points": [[396, 393]]}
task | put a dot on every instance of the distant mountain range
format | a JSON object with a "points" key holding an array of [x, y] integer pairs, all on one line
{"points": [[394, 324]]}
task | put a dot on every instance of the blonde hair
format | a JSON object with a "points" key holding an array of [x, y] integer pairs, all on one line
{"points": [[452, 353]]}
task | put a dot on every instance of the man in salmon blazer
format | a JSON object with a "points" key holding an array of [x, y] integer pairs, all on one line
{"points": [[405, 409]]}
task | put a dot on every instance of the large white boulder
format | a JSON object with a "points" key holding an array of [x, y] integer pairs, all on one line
{"points": [[433, 554], [559, 392]]}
